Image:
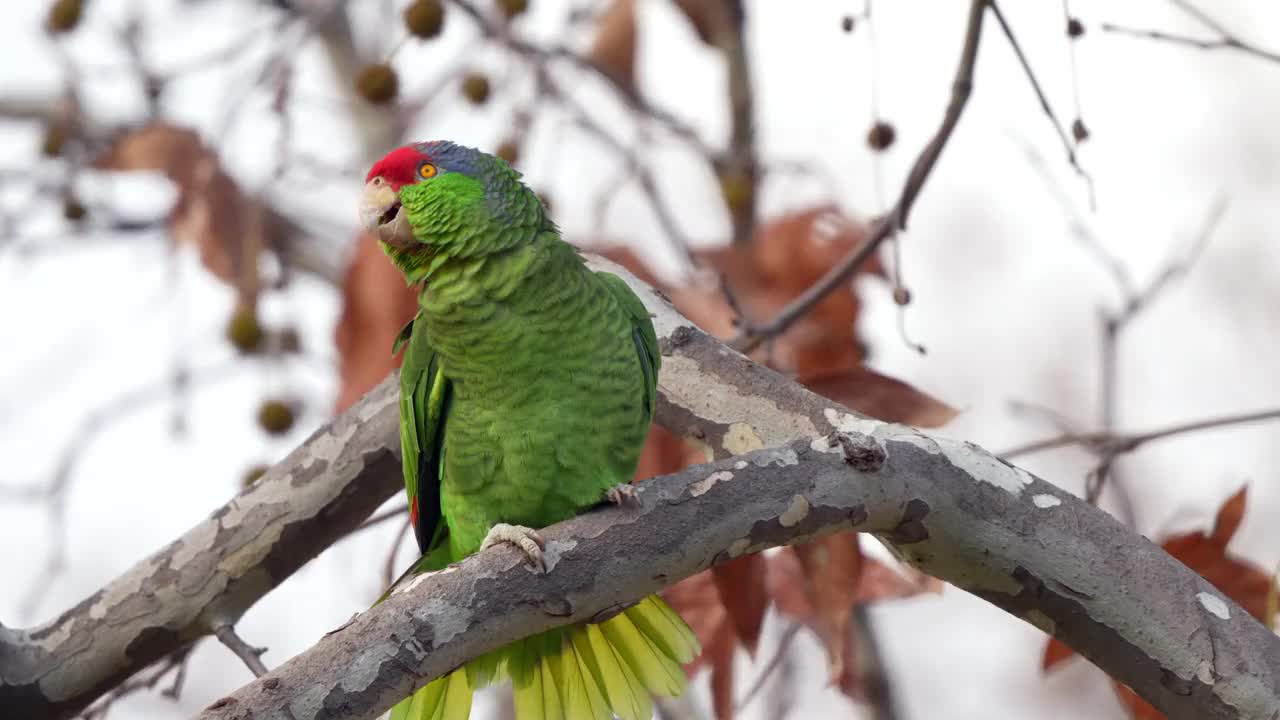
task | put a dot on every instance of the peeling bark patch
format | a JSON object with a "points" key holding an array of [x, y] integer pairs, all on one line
{"points": [[552, 553], [1175, 684], [861, 452], [702, 486], [1214, 605], [858, 514], [795, 512], [911, 528], [849, 423], [741, 438], [1045, 500], [1031, 584], [984, 467], [740, 465], [782, 457]]}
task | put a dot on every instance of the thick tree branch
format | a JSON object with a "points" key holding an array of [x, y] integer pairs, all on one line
{"points": [[950, 508], [213, 573]]}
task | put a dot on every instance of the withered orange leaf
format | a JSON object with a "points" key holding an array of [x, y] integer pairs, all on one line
{"points": [[227, 228], [880, 396], [745, 596], [832, 567], [698, 601], [1227, 521], [376, 304], [614, 47]]}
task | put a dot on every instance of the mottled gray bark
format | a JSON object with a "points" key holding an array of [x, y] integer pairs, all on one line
{"points": [[949, 507]]}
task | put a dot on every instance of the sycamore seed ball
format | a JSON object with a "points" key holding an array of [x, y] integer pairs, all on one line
{"points": [[252, 475], [290, 340], [275, 417], [378, 83], [243, 330], [55, 137], [476, 88], [73, 209], [1079, 131], [736, 189], [424, 18], [509, 150], [64, 15], [881, 136]]}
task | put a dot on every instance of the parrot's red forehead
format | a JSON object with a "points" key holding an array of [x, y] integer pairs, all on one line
{"points": [[399, 167]]}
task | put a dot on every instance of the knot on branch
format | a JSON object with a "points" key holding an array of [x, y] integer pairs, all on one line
{"points": [[861, 452]]}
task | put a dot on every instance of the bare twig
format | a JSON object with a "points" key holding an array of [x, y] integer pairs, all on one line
{"points": [[1113, 323], [784, 646], [872, 672], [251, 656], [740, 162], [1040, 96], [1226, 40], [962, 86], [389, 565], [382, 517], [1111, 443], [176, 663]]}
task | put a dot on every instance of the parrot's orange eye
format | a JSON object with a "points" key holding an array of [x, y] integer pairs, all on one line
{"points": [[427, 170]]}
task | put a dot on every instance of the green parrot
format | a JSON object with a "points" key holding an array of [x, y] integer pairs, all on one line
{"points": [[526, 393]]}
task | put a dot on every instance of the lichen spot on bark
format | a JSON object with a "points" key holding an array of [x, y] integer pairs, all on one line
{"points": [[741, 438], [795, 512], [701, 487], [850, 423], [1045, 500], [1214, 604]]}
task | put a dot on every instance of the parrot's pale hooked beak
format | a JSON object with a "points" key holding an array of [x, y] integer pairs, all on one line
{"points": [[383, 216]]}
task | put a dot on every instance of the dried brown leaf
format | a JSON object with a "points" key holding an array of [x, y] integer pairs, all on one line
{"points": [[698, 601], [376, 304], [227, 228], [880, 396], [709, 17], [741, 584], [614, 46], [1227, 521], [1055, 651], [832, 568]]}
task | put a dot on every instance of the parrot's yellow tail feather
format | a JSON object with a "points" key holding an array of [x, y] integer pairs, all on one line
{"points": [[445, 698], [582, 672], [594, 672]]}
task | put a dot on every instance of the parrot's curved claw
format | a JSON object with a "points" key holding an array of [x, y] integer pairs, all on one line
{"points": [[526, 539], [623, 494]]}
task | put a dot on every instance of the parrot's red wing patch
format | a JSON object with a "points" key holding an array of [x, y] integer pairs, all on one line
{"points": [[399, 167], [413, 512]]}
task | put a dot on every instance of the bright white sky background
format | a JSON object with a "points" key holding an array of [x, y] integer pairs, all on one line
{"points": [[1004, 298]]}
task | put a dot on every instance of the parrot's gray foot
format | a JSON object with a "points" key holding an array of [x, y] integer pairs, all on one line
{"points": [[623, 494], [526, 539]]}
